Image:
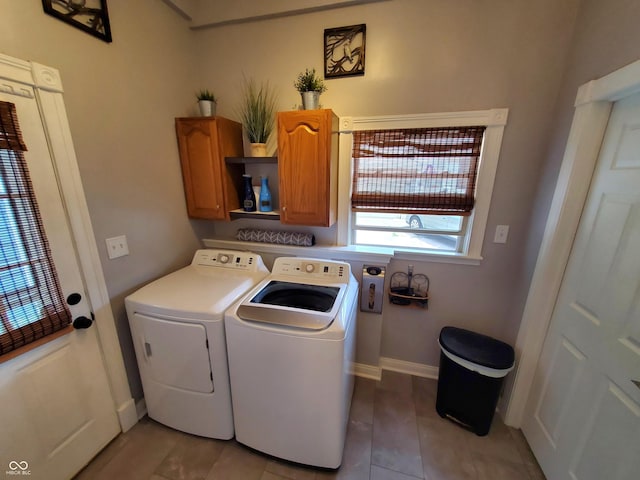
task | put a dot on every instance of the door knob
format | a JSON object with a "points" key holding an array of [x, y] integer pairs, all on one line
{"points": [[82, 322], [74, 299]]}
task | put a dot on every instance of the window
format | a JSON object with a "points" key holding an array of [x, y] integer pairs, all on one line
{"points": [[31, 302], [422, 182]]}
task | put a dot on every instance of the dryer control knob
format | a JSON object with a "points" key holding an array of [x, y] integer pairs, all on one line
{"points": [[309, 267], [224, 258]]}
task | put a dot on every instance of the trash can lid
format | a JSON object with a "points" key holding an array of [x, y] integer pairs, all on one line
{"points": [[477, 348]]}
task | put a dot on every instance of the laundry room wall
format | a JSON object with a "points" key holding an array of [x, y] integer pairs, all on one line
{"points": [[424, 57], [606, 38], [121, 99]]}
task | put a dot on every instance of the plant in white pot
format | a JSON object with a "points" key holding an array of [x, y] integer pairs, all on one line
{"points": [[257, 113], [206, 103], [310, 87]]}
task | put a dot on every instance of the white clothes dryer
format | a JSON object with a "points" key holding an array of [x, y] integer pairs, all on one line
{"points": [[291, 346], [177, 326]]}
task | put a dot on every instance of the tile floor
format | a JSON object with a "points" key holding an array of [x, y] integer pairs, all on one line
{"points": [[394, 434]]}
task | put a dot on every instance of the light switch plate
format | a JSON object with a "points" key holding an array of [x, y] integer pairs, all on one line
{"points": [[502, 232], [117, 247]]}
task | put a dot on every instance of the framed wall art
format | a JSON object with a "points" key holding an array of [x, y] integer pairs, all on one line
{"points": [[344, 51], [88, 15]]}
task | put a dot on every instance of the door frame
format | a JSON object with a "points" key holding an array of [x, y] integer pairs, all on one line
{"points": [[47, 85], [593, 104]]}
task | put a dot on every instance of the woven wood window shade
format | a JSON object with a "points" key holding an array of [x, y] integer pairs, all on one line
{"points": [[31, 301], [421, 170]]}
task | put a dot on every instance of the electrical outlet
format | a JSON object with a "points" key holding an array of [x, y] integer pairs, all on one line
{"points": [[502, 232], [117, 247]]}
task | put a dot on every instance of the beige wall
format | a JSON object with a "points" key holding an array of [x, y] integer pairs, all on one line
{"points": [[422, 57], [607, 37], [121, 100]]}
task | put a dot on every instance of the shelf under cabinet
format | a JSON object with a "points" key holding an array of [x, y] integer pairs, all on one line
{"points": [[240, 213], [250, 160]]}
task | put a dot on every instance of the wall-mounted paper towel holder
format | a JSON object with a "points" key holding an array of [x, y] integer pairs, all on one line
{"points": [[372, 292]]}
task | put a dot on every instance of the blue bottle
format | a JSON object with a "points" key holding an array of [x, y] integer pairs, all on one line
{"points": [[265, 196]]}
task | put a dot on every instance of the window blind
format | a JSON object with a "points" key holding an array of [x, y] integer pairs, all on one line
{"points": [[417, 170], [31, 300]]}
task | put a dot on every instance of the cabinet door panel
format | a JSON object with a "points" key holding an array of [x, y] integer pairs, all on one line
{"points": [[210, 189], [307, 167]]}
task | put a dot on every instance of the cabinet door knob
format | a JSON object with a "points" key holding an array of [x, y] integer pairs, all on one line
{"points": [[284, 209]]}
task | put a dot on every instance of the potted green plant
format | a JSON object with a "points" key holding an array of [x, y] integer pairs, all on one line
{"points": [[257, 112], [206, 103], [310, 87]]}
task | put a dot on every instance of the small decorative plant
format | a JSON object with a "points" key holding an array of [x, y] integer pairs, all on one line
{"points": [[206, 95], [308, 81], [258, 111]]}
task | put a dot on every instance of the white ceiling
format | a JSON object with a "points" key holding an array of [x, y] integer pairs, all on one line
{"points": [[213, 13]]}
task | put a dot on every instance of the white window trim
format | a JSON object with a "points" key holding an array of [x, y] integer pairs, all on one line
{"points": [[495, 121]]}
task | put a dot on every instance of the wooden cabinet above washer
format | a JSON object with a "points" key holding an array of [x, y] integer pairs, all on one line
{"points": [[211, 187], [308, 167]]}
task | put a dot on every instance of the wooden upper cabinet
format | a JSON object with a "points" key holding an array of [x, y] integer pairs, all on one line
{"points": [[308, 167], [211, 188]]}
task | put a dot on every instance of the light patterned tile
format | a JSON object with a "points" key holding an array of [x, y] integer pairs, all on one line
{"points": [[148, 444], [498, 443], [238, 463], [425, 391], [362, 401], [271, 476], [379, 473], [444, 451], [395, 382], [356, 460], [290, 470], [191, 458], [395, 434], [492, 468]]}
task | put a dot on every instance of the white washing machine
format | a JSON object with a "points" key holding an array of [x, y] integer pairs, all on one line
{"points": [[291, 346], [177, 326]]}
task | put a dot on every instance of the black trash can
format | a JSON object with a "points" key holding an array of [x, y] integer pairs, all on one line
{"points": [[472, 369]]}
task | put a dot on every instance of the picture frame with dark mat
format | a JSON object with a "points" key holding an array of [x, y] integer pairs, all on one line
{"points": [[90, 16], [344, 49]]}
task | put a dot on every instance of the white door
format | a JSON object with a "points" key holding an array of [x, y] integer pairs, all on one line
{"points": [[583, 417], [56, 408]]}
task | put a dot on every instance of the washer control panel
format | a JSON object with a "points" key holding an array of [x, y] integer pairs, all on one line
{"points": [[231, 259], [329, 270]]}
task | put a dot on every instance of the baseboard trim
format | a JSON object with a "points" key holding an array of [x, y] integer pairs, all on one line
{"points": [[367, 371], [394, 365], [402, 366], [127, 415]]}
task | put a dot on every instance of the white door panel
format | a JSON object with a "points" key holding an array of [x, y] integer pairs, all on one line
{"points": [[57, 409], [604, 450], [583, 417]]}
